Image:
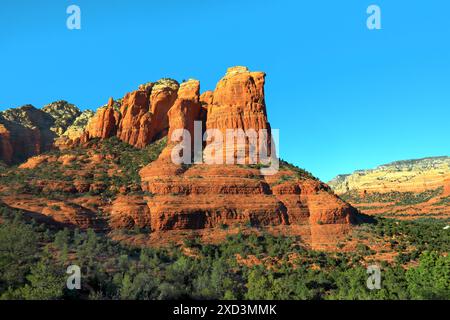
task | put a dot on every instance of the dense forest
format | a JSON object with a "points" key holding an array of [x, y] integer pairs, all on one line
{"points": [[34, 259]]}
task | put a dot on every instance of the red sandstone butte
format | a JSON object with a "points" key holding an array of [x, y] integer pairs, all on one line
{"points": [[188, 197], [204, 196]]}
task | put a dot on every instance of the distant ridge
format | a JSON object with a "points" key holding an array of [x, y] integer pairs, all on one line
{"points": [[419, 186]]}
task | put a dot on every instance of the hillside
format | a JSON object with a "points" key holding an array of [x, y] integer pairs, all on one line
{"points": [[28, 131], [101, 191], [407, 188], [114, 171]]}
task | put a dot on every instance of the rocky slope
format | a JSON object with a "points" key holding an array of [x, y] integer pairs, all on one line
{"points": [[117, 173], [403, 188], [27, 131], [63, 113], [24, 132]]}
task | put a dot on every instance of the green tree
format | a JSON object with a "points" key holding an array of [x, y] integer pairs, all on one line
{"points": [[431, 279], [141, 287], [18, 248], [263, 287], [62, 238], [46, 281]]}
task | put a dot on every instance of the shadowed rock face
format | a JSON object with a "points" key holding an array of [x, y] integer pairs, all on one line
{"points": [[6, 147], [25, 132]]}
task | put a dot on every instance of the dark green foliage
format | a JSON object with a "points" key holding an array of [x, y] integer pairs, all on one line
{"points": [[33, 261], [431, 279], [399, 198], [18, 247], [423, 234], [443, 202], [45, 281], [299, 172], [131, 159], [116, 153]]}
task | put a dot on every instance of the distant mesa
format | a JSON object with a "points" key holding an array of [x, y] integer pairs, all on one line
{"points": [[409, 188]]}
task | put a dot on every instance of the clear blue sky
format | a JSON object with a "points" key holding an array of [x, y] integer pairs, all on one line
{"points": [[343, 97]]}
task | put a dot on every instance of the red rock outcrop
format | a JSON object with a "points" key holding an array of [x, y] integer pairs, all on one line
{"points": [[238, 103], [104, 123], [6, 149], [129, 212], [195, 196], [206, 98], [162, 98], [136, 118], [203, 196], [446, 191], [54, 211], [34, 162], [142, 117], [186, 109], [206, 196]]}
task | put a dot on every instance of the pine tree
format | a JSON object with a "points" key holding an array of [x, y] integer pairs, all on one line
{"points": [[46, 280]]}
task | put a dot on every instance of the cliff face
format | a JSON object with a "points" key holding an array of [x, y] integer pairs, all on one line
{"points": [[409, 175], [27, 131], [238, 103], [410, 187], [139, 118], [24, 132], [121, 174], [205, 196], [104, 123]]}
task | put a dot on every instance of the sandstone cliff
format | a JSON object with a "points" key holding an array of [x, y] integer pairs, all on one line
{"points": [[139, 118], [124, 171], [238, 103], [204, 196]]}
